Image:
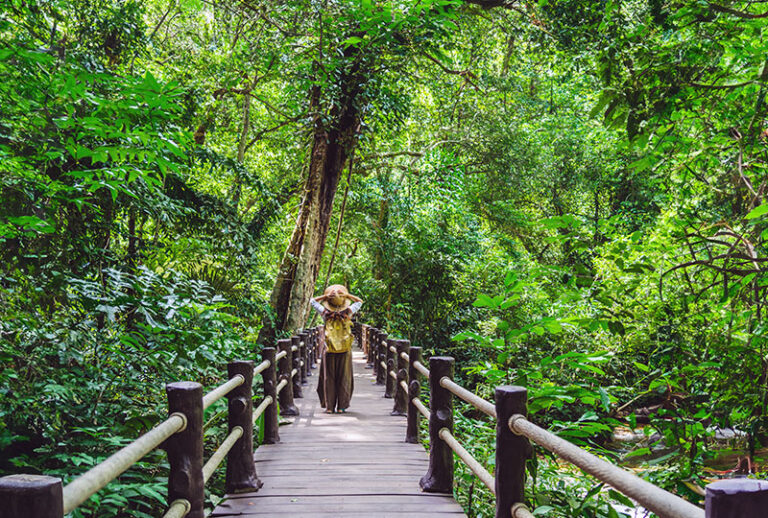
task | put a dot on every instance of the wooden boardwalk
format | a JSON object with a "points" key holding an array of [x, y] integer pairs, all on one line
{"points": [[353, 464]]}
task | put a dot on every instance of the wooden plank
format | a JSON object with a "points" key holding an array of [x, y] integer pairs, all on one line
{"points": [[343, 465]]}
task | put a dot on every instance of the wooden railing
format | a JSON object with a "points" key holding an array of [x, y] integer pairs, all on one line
{"points": [[398, 366], [181, 436]]}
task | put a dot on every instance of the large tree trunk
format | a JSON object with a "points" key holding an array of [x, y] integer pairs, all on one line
{"points": [[300, 265]]}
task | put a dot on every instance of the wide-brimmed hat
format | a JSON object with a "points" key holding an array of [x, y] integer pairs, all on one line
{"points": [[336, 297]]}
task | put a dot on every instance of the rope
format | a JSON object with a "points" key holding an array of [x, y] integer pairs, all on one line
{"points": [[262, 406], [221, 452], [404, 385], [393, 375], [281, 385], [84, 486], [420, 367], [178, 509], [473, 399], [383, 365], [222, 390], [519, 510], [405, 356], [421, 408], [393, 349], [293, 372], [294, 348], [261, 367], [281, 355], [649, 496], [471, 462]]}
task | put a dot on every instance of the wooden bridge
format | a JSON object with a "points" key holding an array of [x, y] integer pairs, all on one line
{"points": [[352, 464], [368, 462]]}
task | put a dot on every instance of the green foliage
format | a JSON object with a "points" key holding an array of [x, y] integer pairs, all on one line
{"points": [[564, 195]]}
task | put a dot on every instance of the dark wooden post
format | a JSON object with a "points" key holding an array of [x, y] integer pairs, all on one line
{"points": [[269, 379], [356, 333], [401, 395], [31, 496], [310, 350], [305, 337], [381, 356], [185, 448], [512, 450], [737, 498], [241, 470], [367, 344], [439, 477], [373, 345], [414, 390], [296, 364], [287, 407], [389, 388], [319, 334], [303, 355]]}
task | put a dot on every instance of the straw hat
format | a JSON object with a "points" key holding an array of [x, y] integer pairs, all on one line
{"points": [[336, 298]]}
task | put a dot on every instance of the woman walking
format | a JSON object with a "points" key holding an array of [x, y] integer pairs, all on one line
{"points": [[335, 385]]}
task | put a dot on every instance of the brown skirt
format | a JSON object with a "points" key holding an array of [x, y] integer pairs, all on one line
{"points": [[336, 380]]}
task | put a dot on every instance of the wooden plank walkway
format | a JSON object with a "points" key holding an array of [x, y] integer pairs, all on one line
{"points": [[353, 464]]}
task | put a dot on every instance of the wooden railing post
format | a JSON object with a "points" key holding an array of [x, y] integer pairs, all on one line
{"points": [[296, 364], [269, 380], [303, 337], [381, 356], [306, 337], [185, 448], [287, 407], [511, 450], [439, 477], [311, 350], [390, 382], [401, 395], [241, 470], [31, 496], [316, 349], [414, 390], [367, 344], [374, 345], [737, 498], [357, 333]]}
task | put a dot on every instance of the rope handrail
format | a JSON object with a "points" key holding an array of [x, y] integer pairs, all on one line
{"points": [[421, 368], [294, 348], [280, 386], [222, 390], [210, 467], [404, 356], [281, 355], [404, 385], [470, 397], [392, 374], [383, 365], [262, 406], [87, 484], [261, 367], [648, 495], [294, 372], [521, 511], [423, 410], [471, 462], [178, 509], [393, 349]]}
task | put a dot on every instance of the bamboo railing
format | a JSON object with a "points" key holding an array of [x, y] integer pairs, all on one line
{"points": [[181, 435], [399, 368]]}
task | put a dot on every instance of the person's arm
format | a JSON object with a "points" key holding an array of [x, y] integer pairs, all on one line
{"points": [[318, 307], [355, 306]]}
